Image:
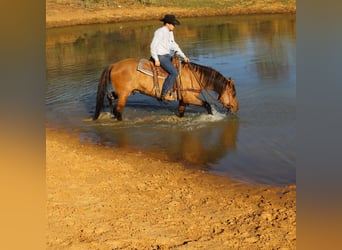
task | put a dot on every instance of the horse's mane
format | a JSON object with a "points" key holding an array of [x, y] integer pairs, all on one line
{"points": [[210, 77]]}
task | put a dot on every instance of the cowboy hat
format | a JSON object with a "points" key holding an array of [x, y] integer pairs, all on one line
{"points": [[170, 19]]}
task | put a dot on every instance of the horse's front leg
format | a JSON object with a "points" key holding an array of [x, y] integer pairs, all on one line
{"points": [[181, 108], [208, 108]]}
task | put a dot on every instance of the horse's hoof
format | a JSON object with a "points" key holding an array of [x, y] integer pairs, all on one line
{"points": [[178, 114]]}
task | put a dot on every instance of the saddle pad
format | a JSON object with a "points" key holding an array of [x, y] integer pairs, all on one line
{"points": [[146, 66]]}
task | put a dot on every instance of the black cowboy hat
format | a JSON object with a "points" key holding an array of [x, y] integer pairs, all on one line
{"points": [[170, 19]]}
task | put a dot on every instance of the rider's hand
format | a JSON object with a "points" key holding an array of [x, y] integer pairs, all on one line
{"points": [[157, 63], [186, 59]]}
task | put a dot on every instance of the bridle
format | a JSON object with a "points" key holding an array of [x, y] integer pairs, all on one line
{"points": [[230, 92]]}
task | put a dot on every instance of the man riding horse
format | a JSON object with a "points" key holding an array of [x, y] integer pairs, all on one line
{"points": [[162, 46], [198, 85]]}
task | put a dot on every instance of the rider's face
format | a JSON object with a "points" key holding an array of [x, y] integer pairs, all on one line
{"points": [[170, 26]]}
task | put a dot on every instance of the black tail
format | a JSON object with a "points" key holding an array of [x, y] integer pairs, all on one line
{"points": [[101, 91]]}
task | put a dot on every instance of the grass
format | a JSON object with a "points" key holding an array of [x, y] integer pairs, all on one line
{"points": [[191, 3], [194, 4]]}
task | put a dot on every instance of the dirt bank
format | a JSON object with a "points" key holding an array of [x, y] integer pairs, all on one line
{"points": [[107, 198], [68, 13]]}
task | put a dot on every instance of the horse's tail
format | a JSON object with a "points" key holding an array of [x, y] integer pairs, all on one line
{"points": [[102, 89]]}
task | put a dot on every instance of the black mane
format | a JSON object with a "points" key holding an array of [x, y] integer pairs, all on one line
{"points": [[210, 77]]}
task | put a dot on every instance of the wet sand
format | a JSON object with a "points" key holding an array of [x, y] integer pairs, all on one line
{"points": [[109, 198]]}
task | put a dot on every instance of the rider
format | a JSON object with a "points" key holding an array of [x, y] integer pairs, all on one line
{"points": [[162, 46]]}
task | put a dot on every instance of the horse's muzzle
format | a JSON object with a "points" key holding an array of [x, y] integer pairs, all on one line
{"points": [[231, 109]]}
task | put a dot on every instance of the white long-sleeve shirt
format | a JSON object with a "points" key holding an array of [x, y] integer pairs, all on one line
{"points": [[163, 43]]}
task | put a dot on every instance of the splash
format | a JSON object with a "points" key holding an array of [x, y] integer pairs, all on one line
{"points": [[160, 120], [216, 116], [105, 116]]}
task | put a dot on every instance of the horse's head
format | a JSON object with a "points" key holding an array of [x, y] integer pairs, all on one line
{"points": [[228, 96]]}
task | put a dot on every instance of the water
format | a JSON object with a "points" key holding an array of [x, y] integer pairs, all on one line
{"points": [[258, 52]]}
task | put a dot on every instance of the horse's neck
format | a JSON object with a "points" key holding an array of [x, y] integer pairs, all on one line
{"points": [[191, 70]]}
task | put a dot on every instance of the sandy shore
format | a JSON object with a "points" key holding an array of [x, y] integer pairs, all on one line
{"points": [[108, 198]]}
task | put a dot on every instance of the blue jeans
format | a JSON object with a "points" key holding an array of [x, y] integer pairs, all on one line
{"points": [[165, 62]]}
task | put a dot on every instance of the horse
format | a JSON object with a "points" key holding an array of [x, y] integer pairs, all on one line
{"points": [[193, 80]]}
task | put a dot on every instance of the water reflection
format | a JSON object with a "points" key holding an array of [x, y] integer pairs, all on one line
{"points": [[201, 38], [199, 140], [207, 145]]}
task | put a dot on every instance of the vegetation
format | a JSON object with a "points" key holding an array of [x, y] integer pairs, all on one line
{"points": [[75, 12], [214, 4]]}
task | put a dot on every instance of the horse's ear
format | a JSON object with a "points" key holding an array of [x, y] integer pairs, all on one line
{"points": [[230, 81]]}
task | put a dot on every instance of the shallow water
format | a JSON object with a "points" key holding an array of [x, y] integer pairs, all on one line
{"points": [[258, 52]]}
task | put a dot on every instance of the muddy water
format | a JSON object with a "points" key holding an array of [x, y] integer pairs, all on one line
{"points": [[258, 52]]}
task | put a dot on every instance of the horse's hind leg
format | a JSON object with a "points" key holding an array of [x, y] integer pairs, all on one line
{"points": [[117, 114], [118, 110], [111, 97]]}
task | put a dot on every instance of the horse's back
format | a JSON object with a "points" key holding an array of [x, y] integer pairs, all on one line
{"points": [[124, 67], [126, 62]]}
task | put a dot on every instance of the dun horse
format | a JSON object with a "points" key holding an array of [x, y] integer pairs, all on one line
{"points": [[130, 76]]}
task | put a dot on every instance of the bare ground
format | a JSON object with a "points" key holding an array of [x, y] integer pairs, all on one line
{"points": [[106, 198]]}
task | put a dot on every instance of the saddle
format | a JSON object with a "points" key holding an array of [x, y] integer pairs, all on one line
{"points": [[147, 67]]}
